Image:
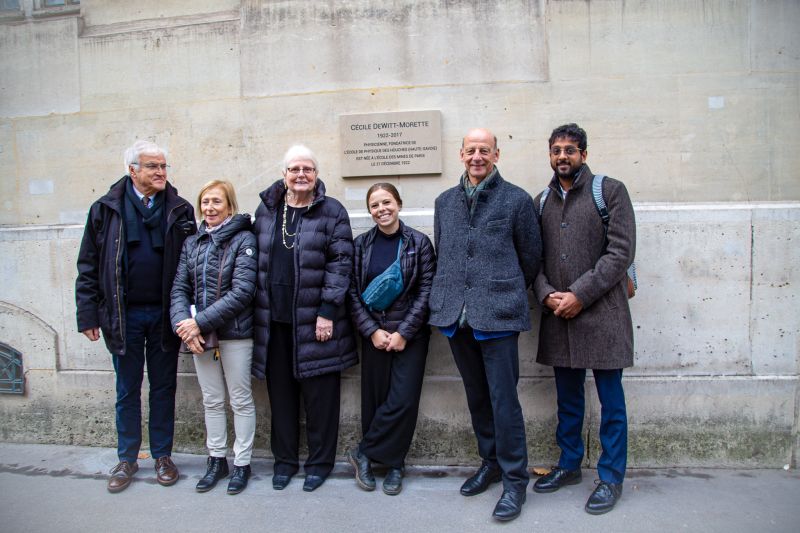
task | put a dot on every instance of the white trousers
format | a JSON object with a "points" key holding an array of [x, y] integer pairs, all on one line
{"points": [[232, 368]]}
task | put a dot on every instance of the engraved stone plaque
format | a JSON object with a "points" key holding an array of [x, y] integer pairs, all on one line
{"points": [[397, 143]]}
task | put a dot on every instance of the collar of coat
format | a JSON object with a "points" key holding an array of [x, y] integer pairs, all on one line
{"points": [[584, 176], [237, 223], [371, 234], [274, 194], [489, 182], [116, 195]]}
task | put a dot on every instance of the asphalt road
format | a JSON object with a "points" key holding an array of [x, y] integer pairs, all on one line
{"points": [[63, 489]]}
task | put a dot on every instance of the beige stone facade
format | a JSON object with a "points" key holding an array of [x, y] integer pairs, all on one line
{"points": [[694, 105]]}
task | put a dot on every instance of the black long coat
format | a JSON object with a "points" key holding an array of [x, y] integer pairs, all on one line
{"points": [[323, 259]]}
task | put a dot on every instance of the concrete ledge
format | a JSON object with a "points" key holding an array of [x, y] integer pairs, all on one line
{"points": [[674, 422]]}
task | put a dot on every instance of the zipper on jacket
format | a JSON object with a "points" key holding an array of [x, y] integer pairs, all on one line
{"points": [[205, 277], [117, 277]]}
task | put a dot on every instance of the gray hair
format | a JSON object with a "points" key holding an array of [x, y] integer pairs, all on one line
{"points": [[141, 147], [299, 151]]}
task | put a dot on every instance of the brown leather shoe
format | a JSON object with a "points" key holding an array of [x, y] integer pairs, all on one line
{"points": [[166, 471], [121, 476]]}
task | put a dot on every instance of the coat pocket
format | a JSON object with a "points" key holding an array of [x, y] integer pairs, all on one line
{"points": [[507, 298]]}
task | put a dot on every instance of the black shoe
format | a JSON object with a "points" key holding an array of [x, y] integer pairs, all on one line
{"points": [[480, 480], [557, 478], [604, 498], [509, 506], [363, 470], [393, 482], [279, 481], [216, 469], [312, 482], [239, 479]]}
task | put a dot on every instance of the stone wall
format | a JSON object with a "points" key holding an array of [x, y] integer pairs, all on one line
{"points": [[692, 104]]}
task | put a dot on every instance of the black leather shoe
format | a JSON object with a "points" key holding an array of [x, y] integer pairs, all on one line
{"points": [[363, 470], [216, 469], [509, 506], [480, 481], [279, 481], [312, 482], [238, 482], [393, 482], [557, 478], [604, 498]]}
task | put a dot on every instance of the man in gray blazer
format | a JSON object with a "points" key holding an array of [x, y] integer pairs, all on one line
{"points": [[489, 247], [583, 287]]}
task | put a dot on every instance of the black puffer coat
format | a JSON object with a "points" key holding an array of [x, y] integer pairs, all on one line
{"points": [[231, 252], [323, 258], [408, 314]]}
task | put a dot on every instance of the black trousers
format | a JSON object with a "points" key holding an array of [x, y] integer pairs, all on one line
{"points": [[391, 384], [490, 371], [320, 396]]}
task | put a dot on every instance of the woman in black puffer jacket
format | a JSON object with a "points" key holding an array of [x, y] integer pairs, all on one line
{"points": [[303, 336], [213, 292], [394, 344]]}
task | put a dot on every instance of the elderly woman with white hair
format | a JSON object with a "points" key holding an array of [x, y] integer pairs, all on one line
{"points": [[303, 336]]}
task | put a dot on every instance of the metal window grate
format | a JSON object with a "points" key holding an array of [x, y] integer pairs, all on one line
{"points": [[12, 380]]}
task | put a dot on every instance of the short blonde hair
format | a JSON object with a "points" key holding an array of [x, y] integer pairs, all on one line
{"points": [[227, 187]]}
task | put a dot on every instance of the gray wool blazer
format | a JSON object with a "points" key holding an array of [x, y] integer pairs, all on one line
{"points": [[487, 259]]}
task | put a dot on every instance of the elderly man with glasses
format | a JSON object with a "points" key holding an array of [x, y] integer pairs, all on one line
{"points": [[126, 265]]}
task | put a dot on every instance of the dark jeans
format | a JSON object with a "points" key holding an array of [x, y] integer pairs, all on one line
{"points": [[321, 400], [391, 384], [613, 421], [143, 346], [490, 371]]}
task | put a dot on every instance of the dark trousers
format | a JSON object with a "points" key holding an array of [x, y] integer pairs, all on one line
{"points": [[143, 333], [320, 396], [391, 384], [490, 370], [613, 421]]}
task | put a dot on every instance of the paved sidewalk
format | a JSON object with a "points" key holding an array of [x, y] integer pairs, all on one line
{"points": [[62, 488]]}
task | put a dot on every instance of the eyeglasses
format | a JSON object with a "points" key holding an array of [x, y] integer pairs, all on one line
{"points": [[568, 150], [301, 170], [155, 166]]}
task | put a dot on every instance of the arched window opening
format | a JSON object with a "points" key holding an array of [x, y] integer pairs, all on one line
{"points": [[12, 380]]}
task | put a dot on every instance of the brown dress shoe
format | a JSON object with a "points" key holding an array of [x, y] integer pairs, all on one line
{"points": [[166, 471], [121, 476]]}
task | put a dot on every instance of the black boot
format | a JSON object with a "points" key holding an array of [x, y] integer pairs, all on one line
{"points": [[216, 469], [239, 479]]}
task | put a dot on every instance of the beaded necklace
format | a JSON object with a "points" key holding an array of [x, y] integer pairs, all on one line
{"points": [[284, 232]]}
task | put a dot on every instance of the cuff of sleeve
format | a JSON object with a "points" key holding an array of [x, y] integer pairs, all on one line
{"points": [[327, 310]]}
